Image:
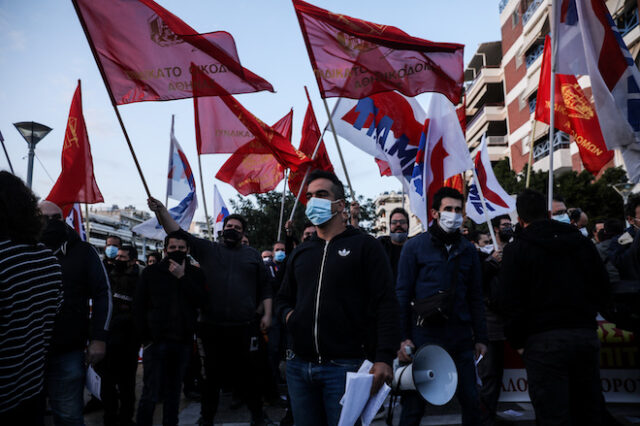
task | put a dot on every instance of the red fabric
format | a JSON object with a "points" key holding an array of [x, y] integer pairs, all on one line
{"points": [[462, 115], [253, 169], [310, 135], [76, 183], [385, 169], [146, 52], [278, 145], [436, 162], [353, 58], [218, 129], [574, 114], [456, 182]]}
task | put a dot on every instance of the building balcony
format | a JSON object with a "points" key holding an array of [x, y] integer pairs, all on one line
{"points": [[502, 5], [561, 154], [534, 54], [477, 87], [487, 113], [531, 10], [627, 21]]}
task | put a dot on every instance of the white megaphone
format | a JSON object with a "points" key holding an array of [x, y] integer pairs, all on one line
{"points": [[432, 373]]}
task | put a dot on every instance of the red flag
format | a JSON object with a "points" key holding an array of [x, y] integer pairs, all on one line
{"points": [[455, 182], [310, 136], [353, 58], [252, 168], [76, 183], [218, 129], [574, 114], [385, 168], [278, 145], [146, 52], [462, 115]]}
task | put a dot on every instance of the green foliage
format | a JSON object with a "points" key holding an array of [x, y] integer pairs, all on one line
{"points": [[262, 212]]}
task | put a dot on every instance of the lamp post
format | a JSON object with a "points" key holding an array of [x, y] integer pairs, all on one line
{"points": [[32, 133], [624, 189]]}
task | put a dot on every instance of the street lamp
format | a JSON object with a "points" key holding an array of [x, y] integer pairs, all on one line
{"points": [[32, 133], [624, 189]]}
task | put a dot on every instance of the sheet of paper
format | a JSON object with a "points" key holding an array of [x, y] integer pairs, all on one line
{"points": [[478, 379], [356, 396], [93, 382], [374, 404]]}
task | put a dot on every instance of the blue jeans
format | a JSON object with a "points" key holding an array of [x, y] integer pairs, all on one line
{"points": [[164, 365], [64, 382], [461, 350], [316, 390]]}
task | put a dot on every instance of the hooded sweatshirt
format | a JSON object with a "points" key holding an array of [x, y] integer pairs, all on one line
{"points": [[551, 278]]}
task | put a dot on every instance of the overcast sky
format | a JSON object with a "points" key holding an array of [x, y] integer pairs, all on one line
{"points": [[43, 52]]}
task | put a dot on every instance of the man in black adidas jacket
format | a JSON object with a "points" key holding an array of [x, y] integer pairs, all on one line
{"points": [[83, 278], [338, 286]]}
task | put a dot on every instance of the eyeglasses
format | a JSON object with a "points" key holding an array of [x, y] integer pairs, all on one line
{"points": [[51, 217], [398, 222]]}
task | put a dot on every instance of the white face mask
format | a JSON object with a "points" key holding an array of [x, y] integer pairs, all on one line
{"points": [[450, 221], [584, 232], [488, 249]]}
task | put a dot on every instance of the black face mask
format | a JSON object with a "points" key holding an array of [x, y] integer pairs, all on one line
{"points": [[177, 256], [120, 265], [505, 235], [231, 237], [54, 234]]}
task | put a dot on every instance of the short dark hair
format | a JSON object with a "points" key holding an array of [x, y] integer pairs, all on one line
{"points": [[237, 217], [475, 235], [632, 203], [558, 198], [531, 206], [337, 187], [116, 237], [445, 192], [613, 227], [307, 224], [20, 218], [495, 222], [176, 235], [131, 250], [155, 254], [401, 211], [575, 213]]}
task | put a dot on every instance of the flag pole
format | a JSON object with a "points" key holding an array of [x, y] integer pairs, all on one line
{"points": [[166, 197], [6, 154], [552, 99], [204, 200], [284, 195], [111, 97], [531, 141], [87, 230], [335, 138]]}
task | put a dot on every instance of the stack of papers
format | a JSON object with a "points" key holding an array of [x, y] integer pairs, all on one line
{"points": [[357, 401]]}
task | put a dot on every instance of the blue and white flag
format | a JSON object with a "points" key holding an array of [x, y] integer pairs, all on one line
{"points": [[74, 220], [180, 183], [220, 211]]}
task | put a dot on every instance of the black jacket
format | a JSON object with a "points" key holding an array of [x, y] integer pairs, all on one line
{"points": [[341, 294], [237, 281], [551, 278], [123, 289], [165, 307], [83, 278]]}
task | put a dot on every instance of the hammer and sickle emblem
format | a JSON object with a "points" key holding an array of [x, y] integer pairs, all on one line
{"points": [[71, 136]]}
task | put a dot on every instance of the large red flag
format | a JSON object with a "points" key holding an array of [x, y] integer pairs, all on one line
{"points": [[76, 183], [146, 52], [218, 129], [310, 137], [278, 145], [253, 169], [574, 114], [353, 58]]}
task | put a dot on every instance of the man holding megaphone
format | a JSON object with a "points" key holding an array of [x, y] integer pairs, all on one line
{"points": [[440, 296]]}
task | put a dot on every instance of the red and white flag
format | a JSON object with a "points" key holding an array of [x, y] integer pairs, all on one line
{"points": [[497, 200], [74, 220], [352, 58], [573, 114], [442, 153], [76, 183], [146, 52], [589, 43], [253, 169]]}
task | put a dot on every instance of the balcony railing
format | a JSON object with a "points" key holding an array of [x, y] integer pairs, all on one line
{"points": [[480, 113], [534, 54], [627, 21], [496, 140], [531, 10], [560, 141], [502, 5], [532, 105]]}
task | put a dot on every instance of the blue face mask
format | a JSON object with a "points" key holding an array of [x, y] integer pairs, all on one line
{"points": [[111, 252], [319, 210], [279, 256], [564, 218]]}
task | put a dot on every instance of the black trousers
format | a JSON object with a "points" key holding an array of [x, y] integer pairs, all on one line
{"points": [[29, 412], [118, 372], [228, 358], [490, 370], [564, 377]]}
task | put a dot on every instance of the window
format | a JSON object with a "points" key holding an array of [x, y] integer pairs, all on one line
{"points": [[515, 19]]}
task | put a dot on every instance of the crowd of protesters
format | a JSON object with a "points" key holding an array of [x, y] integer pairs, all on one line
{"points": [[212, 316]]}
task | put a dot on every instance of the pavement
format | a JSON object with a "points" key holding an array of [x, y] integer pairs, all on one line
{"points": [[518, 414]]}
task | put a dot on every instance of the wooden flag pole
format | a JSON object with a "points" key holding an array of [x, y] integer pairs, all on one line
{"points": [[166, 197], [111, 97], [204, 200], [6, 154], [335, 138], [531, 141], [284, 195]]}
